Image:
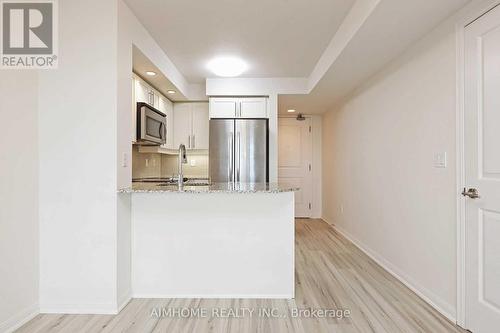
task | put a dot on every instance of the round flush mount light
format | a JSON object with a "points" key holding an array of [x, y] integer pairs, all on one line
{"points": [[171, 92], [291, 110], [150, 73], [227, 66]]}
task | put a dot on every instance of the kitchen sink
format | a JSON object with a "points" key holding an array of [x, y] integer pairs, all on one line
{"points": [[171, 181], [186, 183]]}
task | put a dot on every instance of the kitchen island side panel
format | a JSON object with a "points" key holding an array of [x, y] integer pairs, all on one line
{"points": [[213, 245]]}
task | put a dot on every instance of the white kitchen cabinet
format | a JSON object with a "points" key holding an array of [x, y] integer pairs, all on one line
{"points": [[255, 107], [221, 107], [144, 93], [166, 106], [191, 125], [244, 107], [200, 125], [182, 124], [141, 91]]}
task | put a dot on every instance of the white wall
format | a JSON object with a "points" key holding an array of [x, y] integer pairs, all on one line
{"points": [[78, 149], [378, 153], [125, 113], [18, 197]]}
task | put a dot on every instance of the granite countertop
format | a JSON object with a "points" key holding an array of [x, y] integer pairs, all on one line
{"points": [[143, 187]]}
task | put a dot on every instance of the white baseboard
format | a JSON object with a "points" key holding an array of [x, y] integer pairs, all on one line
{"points": [[139, 295], [436, 302], [124, 300], [79, 308], [19, 319]]}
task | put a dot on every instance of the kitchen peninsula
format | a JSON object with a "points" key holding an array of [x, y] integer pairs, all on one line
{"points": [[205, 221], [224, 240]]}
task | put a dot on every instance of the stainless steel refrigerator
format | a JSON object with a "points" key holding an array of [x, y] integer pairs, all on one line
{"points": [[238, 150]]}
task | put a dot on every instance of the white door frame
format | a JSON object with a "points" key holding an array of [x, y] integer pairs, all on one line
{"points": [[469, 17]]}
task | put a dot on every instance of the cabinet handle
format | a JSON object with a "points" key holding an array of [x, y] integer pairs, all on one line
{"points": [[194, 142], [151, 98], [189, 139]]}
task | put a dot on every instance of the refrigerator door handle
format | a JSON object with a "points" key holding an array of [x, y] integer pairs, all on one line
{"points": [[230, 164], [238, 141]]}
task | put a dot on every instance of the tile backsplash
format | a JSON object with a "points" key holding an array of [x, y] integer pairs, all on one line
{"points": [[145, 165], [161, 165], [197, 165]]}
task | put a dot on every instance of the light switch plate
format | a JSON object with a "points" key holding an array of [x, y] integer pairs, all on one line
{"points": [[440, 160]]}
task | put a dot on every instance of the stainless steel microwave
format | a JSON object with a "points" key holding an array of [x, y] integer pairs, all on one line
{"points": [[151, 125]]}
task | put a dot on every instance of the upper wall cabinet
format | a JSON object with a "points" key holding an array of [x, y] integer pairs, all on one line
{"points": [[255, 107], [245, 107], [191, 125], [144, 93], [200, 125], [223, 107], [166, 106]]}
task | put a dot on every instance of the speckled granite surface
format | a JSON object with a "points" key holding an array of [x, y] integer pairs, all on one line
{"points": [[213, 188]]}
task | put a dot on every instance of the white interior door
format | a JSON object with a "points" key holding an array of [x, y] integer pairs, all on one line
{"points": [[295, 161], [482, 169]]}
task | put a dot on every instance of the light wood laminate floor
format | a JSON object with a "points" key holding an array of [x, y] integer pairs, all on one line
{"points": [[331, 273]]}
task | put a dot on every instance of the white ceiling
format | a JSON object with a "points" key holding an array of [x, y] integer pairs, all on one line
{"points": [[278, 38], [392, 28], [333, 46]]}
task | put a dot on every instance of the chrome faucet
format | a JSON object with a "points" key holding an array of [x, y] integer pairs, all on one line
{"points": [[182, 160]]}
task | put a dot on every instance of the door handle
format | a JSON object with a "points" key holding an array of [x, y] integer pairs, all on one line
{"points": [[471, 193]]}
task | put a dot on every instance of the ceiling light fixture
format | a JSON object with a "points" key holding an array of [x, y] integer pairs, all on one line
{"points": [[171, 92], [291, 111], [150, 73], [227, 66]]}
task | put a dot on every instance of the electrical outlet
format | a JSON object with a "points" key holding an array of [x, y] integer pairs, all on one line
{"points": [[342, 209], [192, 162]]}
